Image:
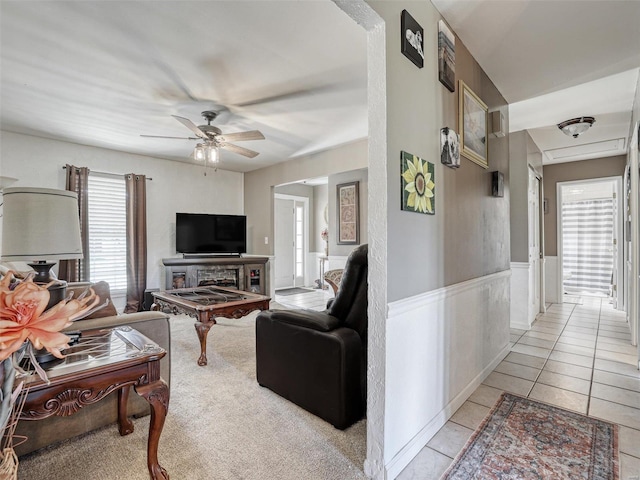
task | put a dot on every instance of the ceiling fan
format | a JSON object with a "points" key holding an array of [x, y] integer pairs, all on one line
{"points": [[214, 139]]}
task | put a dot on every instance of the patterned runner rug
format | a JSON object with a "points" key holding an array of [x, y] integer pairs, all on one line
{"points": [[525, 439]]}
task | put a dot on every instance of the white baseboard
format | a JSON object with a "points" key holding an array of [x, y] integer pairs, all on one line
{"points": [[411, 449], [440, 346]]}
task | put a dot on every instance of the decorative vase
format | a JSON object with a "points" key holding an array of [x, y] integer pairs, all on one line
{"points": [[326, 249]]}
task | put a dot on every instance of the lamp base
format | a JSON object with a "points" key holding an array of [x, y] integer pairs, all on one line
{"points": [[42, 269], [57, 293], [58, 290]]}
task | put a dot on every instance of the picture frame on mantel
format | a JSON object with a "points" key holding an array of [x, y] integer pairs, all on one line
{"points": [[473, 122], [348, 213]]}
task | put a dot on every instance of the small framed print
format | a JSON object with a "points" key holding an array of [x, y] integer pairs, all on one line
{"points": [[412, 39], [449, 148], [446, 56], [348, 209], [417, 177]]}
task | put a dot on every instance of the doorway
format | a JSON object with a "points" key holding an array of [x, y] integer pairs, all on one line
{"points": [[536, 298], [291, 230], [588, 231]]}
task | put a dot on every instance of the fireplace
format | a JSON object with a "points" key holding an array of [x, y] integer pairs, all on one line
{"points": [[219, 277]]}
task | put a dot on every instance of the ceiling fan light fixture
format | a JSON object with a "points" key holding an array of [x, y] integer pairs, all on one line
{"points": [[576, 126], [212, 154], [199, 152]]}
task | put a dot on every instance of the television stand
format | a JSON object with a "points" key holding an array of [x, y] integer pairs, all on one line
{"points": [[211, 255], [242, 273]]}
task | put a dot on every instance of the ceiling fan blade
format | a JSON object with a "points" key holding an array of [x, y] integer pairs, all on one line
{"points": [[241, 136], [240, 150], [175, 138], [191, 126]]}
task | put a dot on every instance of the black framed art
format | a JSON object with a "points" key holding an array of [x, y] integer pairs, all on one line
{"points": [[412, 39]]}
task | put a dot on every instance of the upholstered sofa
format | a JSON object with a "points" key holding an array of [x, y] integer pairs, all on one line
{"points": [[154, 325]]}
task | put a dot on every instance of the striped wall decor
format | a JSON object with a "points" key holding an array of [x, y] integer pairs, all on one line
{"points": [[587, 239]]}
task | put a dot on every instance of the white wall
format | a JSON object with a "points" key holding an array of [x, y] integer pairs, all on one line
{"points": [[320, 200], [176, 186], [444, 343]]}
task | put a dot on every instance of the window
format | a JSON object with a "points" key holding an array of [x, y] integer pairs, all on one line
{"points": [[107, 231]]}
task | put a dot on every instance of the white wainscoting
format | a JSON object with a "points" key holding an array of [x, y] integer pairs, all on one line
{"points": [[337, 261], [440, 346], [551, 286], [520, 291]]}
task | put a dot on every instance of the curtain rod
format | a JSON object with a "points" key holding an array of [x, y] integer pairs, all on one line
{"points": [[64, 167]]}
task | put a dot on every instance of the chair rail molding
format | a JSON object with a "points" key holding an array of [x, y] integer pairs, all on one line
{"points": [[441, 345]]}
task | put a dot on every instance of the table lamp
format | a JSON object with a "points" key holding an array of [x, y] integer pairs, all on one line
{"points": [[41, 226]]}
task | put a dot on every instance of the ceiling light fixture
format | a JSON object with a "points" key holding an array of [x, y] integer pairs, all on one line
{"points": [[207, 152], [576, 126]]}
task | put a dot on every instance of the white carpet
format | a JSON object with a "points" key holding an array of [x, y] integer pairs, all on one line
{"points": [[221, 425]]}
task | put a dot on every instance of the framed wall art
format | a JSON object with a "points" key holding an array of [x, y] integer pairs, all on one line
{"points": [[472, 119], [446, 56], [449, 148], [348, 209], [418, 184], [412, 39]]}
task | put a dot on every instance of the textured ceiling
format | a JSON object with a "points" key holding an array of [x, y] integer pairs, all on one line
{"points": [[102, 73]]}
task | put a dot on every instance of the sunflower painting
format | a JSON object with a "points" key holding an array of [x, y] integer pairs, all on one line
{"points": [[418, 184]]}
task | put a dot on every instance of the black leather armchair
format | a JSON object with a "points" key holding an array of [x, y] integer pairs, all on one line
{"points": [[318, 360]]}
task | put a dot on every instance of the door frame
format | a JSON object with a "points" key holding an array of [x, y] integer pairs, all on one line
{"points": [[306, 233], [539, 260], [617, 180]]}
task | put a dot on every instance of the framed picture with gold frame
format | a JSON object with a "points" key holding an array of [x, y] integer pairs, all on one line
{"points": [[473, 126]]}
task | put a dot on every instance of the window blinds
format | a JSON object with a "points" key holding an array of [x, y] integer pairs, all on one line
{"points": [[107, 231], [587, 239]]}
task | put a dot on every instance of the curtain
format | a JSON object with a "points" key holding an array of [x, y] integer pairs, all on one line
{"points": [[587, 239], [136, 241], [77, 181]]}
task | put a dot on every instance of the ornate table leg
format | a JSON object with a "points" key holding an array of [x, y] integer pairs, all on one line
{"points": [[125, 426], [202, 329], [157, 394]]}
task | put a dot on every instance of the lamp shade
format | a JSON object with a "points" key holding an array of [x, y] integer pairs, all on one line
{"points": [[40, 224]]}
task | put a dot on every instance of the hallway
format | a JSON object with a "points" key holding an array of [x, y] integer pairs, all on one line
{"points": [[576, 356]]}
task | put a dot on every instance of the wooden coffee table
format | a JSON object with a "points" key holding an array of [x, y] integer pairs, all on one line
{"points": [[104, 361], [207, 303]]}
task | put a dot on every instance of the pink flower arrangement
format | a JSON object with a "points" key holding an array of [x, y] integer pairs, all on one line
{"points": [[23, 316], [324, 234]]}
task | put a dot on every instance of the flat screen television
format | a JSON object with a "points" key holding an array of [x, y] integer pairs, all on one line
{"points": [[202, 233]]}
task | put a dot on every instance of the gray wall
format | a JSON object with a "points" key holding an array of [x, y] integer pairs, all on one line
{"points": [[259, 185], [565, 172], [468, 237], [523, 153]]}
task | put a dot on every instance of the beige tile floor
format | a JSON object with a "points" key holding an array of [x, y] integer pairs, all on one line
{"points": [[314, 299], [577, 356]]}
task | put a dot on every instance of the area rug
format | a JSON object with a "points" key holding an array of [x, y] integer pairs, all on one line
{"points": [[525, 439], [292, 291]]}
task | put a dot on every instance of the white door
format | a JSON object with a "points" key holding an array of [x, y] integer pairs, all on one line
{"points": [[614, 249], [284, 243], [534, 243], [290, 241], [300, 225]]}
